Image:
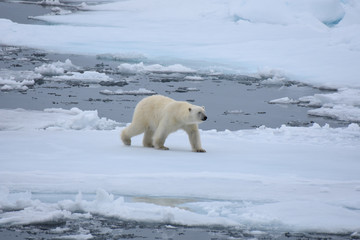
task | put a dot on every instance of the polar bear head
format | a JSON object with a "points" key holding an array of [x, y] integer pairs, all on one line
{"points": [[196, 114]]}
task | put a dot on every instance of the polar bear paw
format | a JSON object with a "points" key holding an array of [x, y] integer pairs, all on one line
{"points": [[163, 148], [199, 150]]}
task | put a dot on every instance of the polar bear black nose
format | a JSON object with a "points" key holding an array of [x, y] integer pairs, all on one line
{"points": [[204, 118]]}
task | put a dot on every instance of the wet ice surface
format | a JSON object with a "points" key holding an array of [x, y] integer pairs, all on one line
{"points": [[232, 101]]}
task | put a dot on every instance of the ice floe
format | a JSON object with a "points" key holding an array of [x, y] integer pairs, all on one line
{"points": [[343, 104], [284, 100], [67, 71], [140, 91], [17, 80], [289, 178], [141, 67], [56, 68]]}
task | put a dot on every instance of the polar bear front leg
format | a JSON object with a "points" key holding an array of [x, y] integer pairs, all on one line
{"points": [[194, 137], [148, 138]]}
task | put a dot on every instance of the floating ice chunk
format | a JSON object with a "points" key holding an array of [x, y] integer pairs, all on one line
{"points": [[60, 11], [141, 67], [342, 105], [284, 100], [186, 89], [233, 112], [194, 78], [83, 6], [339, 112], [269, 76], [87, 76], [50, 2], [18, 75], [11, 84], [83, 235], [275, 80], [310, 101], [141, 91], [131, 68], [66, 71], [56, 68], [342, 96]]}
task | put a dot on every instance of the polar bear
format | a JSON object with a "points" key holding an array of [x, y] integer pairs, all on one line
{"points": [[157, 116]]}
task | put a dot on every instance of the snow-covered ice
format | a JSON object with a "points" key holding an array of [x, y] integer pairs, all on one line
{"points": [[53, 118], [293, 178], [61, 164], [313, 42]]}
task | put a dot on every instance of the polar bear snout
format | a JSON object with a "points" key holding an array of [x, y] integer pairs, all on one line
{"points": [[202, 117]]}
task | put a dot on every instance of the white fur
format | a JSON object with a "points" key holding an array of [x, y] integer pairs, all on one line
{"points": [[157, 116]]}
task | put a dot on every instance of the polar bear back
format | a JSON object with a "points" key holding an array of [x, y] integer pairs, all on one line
{"points": [[151, 110]]}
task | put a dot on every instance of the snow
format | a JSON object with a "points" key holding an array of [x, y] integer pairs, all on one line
{"points": [[290, 178], [315, 42], [53, 118]]}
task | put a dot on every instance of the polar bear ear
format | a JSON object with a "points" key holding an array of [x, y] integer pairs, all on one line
{"points": [[203, 107], [189, 109]]}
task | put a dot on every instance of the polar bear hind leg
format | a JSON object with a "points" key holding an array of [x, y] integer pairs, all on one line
{"points": [[131, 131], [160, 135]]}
